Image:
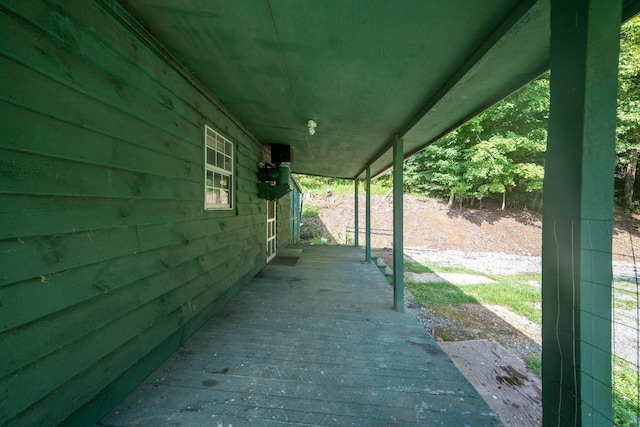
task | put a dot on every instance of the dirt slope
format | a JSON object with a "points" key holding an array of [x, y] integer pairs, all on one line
{"points": [[430, 223]]}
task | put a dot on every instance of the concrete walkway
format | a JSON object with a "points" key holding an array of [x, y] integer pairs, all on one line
{"points": [[312, 340]]}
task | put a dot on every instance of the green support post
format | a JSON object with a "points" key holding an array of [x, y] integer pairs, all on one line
{"points": [[356, 225], [368, 215], [578, 213], [398, 233]]}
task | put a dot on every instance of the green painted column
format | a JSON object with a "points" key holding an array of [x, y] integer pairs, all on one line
{"points": [[368, 215], [578, 213], [356, 240], [398, 233]]}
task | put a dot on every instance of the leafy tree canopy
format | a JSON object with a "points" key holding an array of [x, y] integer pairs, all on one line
{"points": [[502, 150]]}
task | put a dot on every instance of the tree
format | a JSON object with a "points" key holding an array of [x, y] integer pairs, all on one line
{"points": [[628, 130], [438, 169], [500, 150]]}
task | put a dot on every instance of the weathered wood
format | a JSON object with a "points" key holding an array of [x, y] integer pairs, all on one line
{"points": [[55, 290], [183, 282], [34, 174], [319, 342], [125, 382], [503, 380], [112, 259], [91, 146]]}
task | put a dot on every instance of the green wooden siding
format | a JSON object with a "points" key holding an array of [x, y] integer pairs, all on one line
{"points": [[108, 258], [283, 219]]}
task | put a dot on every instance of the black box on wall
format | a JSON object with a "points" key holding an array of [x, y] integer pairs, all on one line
{"points": [[280, 153]]}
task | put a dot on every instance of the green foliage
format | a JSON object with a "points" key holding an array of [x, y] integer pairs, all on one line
{"points": [[534, 362], [500, 151], [625, 394], [312, 228], [309, 182], [310, 211], [628, 130], [320, 185]]}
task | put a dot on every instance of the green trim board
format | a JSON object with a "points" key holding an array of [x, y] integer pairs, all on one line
{"points": [[398, 226], [367, 208], [356, 214], [578, 214]]}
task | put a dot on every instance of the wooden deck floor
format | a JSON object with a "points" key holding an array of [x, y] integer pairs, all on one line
{"points": [[312, 340]]}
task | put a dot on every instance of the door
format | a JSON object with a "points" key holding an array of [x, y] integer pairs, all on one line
{"points": [[271, 230]]}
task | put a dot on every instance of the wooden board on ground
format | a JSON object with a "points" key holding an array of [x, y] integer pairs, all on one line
{"points": [[512, 390]]}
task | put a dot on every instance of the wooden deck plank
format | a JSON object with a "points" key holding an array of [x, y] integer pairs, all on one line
{"points": [[315, 343], [503, 380]]}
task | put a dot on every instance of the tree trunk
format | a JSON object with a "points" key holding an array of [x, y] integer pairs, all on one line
{"points": [[630, 178], [504, 199], [450, 199]]}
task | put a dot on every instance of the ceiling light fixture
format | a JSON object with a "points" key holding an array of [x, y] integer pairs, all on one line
{"points": [[312, 126]]}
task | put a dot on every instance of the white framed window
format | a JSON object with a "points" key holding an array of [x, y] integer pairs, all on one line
{"points": [[218, 170]]}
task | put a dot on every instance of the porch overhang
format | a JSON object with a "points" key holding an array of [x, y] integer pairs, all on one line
{"points": [[366, 72]]}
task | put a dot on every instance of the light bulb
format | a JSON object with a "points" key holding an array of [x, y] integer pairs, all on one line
{"points": [[312, 126]]}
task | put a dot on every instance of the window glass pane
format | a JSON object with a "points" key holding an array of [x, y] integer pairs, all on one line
{"points": [[218, 170], [209, 195], [224, 197]]}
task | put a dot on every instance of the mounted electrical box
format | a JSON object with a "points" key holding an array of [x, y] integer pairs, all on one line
{"points": [[280, 153], [274, 177]]}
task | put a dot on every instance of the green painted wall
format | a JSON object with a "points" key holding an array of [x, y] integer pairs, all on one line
{"points": [[108, 260], [283, 219]]}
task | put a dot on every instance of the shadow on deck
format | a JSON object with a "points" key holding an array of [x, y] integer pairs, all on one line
{"points": [[311, 340]]}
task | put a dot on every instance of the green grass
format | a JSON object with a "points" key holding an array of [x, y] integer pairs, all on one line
{"points": [[426, 267], [625, 295], [625, 393], [511, 291], [515, 293], [439, 293], [416, 267], [310, 211], [534, 362]]}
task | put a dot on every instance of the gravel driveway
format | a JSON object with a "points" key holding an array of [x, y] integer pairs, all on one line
{"points": [[626, 332]]}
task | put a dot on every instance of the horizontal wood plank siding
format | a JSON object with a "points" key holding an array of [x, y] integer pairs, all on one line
{"points": [[108, 259]]}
